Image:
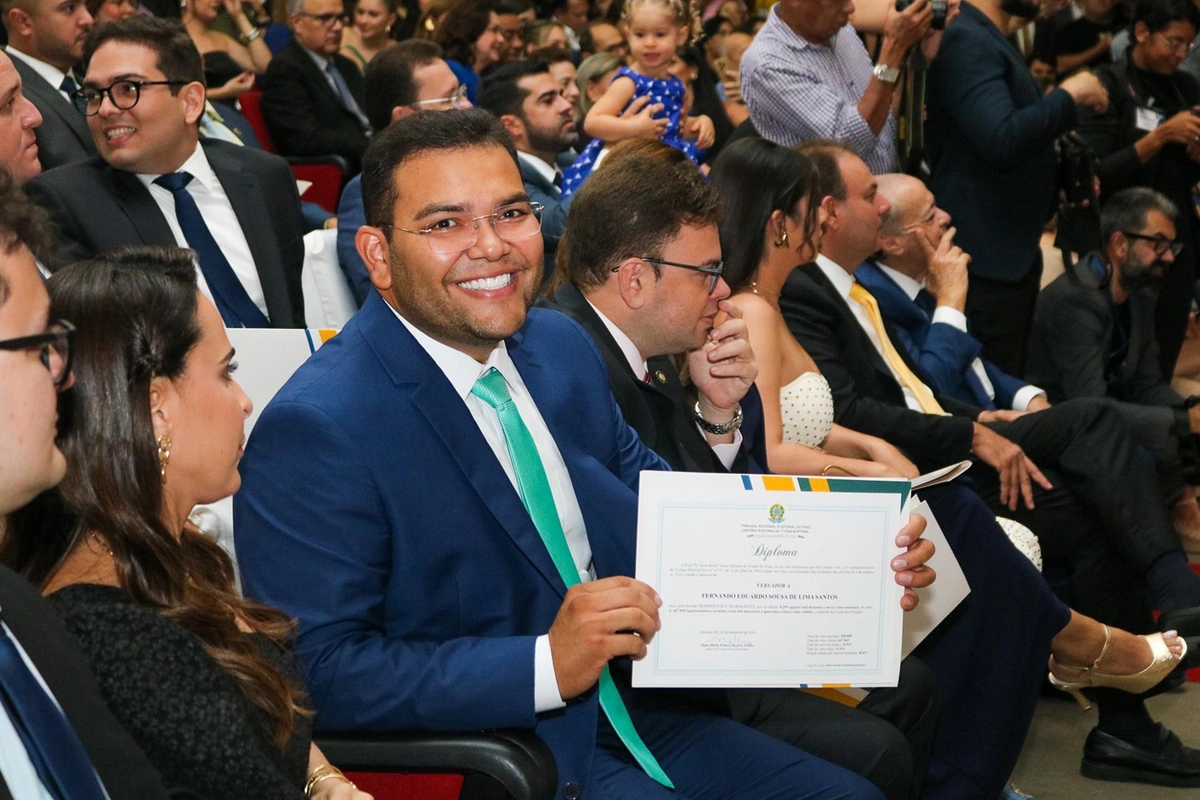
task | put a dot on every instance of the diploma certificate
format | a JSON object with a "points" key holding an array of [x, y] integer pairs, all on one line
{"points": [[771, 581]]}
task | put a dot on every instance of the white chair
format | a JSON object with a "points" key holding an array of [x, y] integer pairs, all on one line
{"points": [[266, 357], [328, 301]]}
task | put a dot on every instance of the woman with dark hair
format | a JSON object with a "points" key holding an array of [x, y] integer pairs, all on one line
{"points": [[1150, 136], [369, 31], [471, 39], [772, 224], [230, 65], [200, 677]]}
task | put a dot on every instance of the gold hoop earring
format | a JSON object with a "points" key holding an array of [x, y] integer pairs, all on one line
{"points": [[782, 240], [164, 455]]}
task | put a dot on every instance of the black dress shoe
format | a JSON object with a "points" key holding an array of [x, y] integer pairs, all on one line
{"points": [[1171, 763]]}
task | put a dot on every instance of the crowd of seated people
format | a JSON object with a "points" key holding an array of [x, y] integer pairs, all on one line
{"points": [[585, 239]]}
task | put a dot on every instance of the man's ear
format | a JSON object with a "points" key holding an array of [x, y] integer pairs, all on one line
{"points": [[633, 277], [832, 208], [515, 127], [193, 95], [400, 112], [1141, 32], [19, 22], [1118, 247], [372, 246]]}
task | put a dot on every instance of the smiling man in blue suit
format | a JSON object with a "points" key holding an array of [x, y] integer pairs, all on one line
{"points": [[444, 497]]}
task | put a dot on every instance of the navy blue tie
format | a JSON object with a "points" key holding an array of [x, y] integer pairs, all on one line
{"points": [[236, 307], [56, 752]]}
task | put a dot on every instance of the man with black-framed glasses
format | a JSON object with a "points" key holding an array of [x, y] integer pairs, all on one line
{"points": [[156, 183], [1093, 331], [57, 737], [312, 94]]}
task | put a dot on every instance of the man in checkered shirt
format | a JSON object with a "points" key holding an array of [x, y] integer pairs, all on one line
{"points": [[808, 76]]}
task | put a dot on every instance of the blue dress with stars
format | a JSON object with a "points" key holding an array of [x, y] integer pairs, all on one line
{"points": [[669, 92]]}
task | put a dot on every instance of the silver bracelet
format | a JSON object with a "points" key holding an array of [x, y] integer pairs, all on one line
{"points": [[250, 35], [718, 428]]}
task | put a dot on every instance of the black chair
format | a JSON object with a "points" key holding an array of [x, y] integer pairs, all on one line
{"points": [[513, 764]]}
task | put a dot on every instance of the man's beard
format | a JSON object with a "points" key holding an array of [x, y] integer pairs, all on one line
{"points": [[1136, 278]]}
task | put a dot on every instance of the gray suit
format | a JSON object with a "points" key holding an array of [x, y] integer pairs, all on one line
{"points": [[1072, 354], [63, 137]]}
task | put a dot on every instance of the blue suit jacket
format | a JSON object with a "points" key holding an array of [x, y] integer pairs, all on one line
{"points": [[351, 216], [554, 215], [373, 510], [990, 136], [944, 352]]}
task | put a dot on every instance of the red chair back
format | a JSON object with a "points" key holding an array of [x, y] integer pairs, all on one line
{"points": [[406, 786], [326, 181], [251, 103]]}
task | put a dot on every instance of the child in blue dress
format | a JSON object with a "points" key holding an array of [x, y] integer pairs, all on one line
{"points": [[655, 29]]}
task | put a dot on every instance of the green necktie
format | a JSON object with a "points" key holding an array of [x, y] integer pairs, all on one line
{"points": [[534, 489]]}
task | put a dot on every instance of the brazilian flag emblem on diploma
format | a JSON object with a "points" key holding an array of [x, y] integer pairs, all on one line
{"points": [[776, 513]]}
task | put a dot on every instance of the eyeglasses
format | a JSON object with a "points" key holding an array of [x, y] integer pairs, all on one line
{"points": [[713, 273], [328, 20], [1178, 45], [456, 100], [1160, 243], [123, 94], [453, 235], [57, 341]]}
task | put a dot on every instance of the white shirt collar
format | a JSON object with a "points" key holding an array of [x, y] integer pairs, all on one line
{"points": [[460, 369], [907, 285], [628, 349], [52, 74], [841, 280], [547, 171], [196, 164]]}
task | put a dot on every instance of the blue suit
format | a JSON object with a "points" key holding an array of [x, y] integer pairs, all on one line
{"points": [[944, 352], [351, 216], [373, 510]]}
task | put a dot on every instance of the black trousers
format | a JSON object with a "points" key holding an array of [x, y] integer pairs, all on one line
{"points": [[886, 739], [1001, 316], [1103, 522]]}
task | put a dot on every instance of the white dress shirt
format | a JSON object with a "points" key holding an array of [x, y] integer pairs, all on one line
{"points": [[221, 219], [462, 372], [726, 452], [52, 74], [945, 315], [842, 281], [15, 766]]}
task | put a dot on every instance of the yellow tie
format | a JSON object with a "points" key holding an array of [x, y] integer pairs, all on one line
{"points": [[929, 403]]}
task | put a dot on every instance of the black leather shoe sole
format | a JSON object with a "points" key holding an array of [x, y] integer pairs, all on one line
{"points": [[1107, 758]]}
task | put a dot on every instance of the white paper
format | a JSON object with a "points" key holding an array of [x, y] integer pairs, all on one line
{"points": [[303, 186], [770, 588], [948, 590], [943, 475]]}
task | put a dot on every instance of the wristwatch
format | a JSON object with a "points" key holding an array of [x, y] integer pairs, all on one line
{"points": [[886, 74], [718, 428]]}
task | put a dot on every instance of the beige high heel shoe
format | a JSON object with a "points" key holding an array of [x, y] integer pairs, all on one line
{"points": [[1161, 665]]}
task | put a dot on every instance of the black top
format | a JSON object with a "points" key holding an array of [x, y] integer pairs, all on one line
{"points": [[1083, 34], [180, 706]]}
